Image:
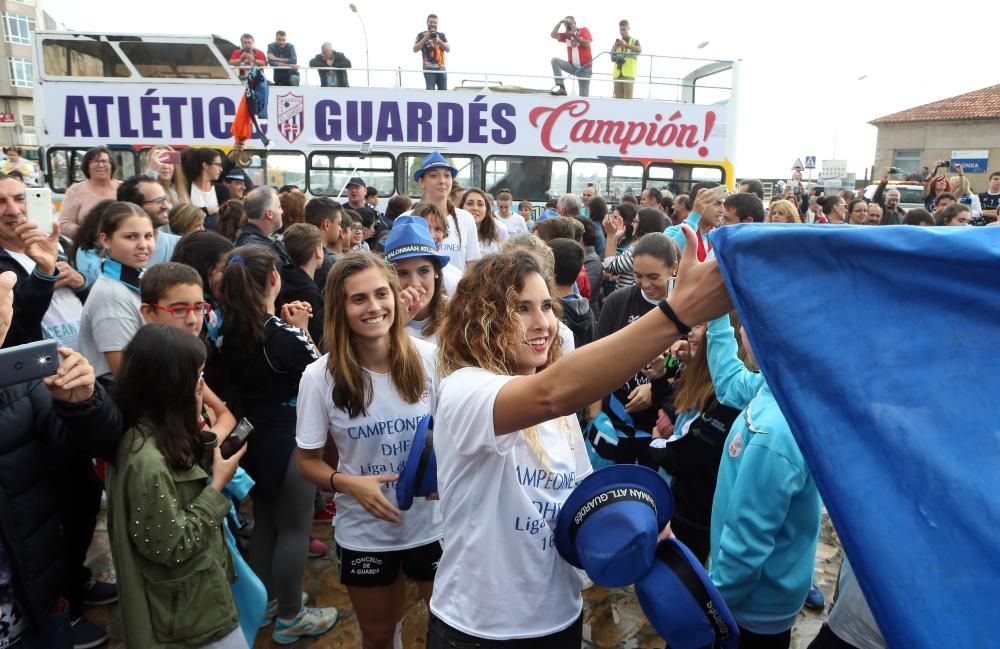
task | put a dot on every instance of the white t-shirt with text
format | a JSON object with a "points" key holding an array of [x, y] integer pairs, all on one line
{"points": [[501, 577], [62, 319], [462, 245], [373, 443]]}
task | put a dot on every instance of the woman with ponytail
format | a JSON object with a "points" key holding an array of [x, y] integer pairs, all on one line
{"points": [[264, 357]]}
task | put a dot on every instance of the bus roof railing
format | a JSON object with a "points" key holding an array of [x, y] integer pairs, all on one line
{"points": [[666, 78]]}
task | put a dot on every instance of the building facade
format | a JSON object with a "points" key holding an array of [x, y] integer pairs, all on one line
{"points": [[966, 127], [17, 117]]}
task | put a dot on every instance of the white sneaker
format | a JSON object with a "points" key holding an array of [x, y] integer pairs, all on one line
{"points": [[309, 622]]}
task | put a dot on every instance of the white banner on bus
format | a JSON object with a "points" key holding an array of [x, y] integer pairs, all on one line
{"points": [[83, 115]]}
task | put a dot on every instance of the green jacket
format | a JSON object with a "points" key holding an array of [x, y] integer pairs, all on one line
{"points": [[174, 570]]}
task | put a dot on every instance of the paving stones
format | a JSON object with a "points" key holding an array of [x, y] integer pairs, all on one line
{"points": [[612, 617]]}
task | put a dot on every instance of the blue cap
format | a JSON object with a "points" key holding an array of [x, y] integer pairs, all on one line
{"points": [[434, 161], [411, 237], [683, 604], [609, 524], [419, 475]]}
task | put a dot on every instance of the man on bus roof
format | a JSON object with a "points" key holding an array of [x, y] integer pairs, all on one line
{"points": [[247, 56]]}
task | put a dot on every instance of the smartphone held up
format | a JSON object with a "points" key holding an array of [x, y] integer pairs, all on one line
{"points": [[29, 362]]}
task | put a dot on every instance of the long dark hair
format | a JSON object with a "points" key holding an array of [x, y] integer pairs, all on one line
{"points": [[90, 227], [627, 212], [201, 251], [244, 288], [193, 158], [157, 382], [487, 228], [651, 219]]}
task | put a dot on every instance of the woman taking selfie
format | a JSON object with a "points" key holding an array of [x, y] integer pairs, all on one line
{"points": [[504, 408], [165, 512], [375, 378]]}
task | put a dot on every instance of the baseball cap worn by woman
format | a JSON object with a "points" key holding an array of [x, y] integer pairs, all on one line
{"points": [[411, 237], [434, 161], [610, 523]]}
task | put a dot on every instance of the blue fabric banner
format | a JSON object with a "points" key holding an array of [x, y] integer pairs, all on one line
{"points": [[880, 345]]}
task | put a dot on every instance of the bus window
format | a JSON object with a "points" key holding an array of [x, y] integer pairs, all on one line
{"points": [[286, 168], [678, 178], [65, 166], [626, 178], [470, 171], [589, 172], [81, 58], [329, 172], [174, 60], [527, 179]]}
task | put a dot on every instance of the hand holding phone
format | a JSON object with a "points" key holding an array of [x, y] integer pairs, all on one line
{"points": [[170, 157], [23, 363], [236, 439], [38, 205]]}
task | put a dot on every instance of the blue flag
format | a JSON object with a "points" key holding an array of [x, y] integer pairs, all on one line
{"points": [[880, 345]]}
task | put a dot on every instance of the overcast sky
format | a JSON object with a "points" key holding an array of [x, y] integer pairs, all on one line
{"points": [[800, 88]]}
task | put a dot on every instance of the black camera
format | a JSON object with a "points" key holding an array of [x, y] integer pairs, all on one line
{"points": [[894, 170], [432, 34]]}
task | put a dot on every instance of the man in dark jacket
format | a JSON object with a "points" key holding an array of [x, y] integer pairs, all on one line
{"points": [[328, 58], [263, 220], [34, 257], [576, 309], [66, 410]]}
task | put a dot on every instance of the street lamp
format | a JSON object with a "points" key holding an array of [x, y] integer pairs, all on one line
{"points": [[364, 32]]}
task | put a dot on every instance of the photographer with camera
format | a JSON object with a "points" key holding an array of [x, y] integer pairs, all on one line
{"points": [[888, 200], [247, 56], [578, 59], [433, 44], [624, 53]]}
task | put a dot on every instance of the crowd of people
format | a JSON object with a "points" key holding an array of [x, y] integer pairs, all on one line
{"points": [[186, 301]]}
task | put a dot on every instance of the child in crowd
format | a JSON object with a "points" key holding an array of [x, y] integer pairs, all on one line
{"points": [[165, 511], [111, 314]]}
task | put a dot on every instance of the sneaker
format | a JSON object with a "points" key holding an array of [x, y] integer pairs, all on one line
{"points": [[317, 548], [326, 514], [100, 593], [815, 599], [560, 91], [309, 622], [86, 634], [272, 610]]}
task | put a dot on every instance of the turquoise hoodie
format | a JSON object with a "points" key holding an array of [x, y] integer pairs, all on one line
{"points": [[766, 512], [677, 234]]}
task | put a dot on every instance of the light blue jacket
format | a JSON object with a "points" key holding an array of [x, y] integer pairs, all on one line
{"points": [[766, 512], [675, 232]]}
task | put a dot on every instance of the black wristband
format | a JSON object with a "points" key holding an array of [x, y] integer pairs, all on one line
{"points": [[682, 328]]}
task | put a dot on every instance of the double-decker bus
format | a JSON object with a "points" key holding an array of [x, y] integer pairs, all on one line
{"points": [[132, 92]]}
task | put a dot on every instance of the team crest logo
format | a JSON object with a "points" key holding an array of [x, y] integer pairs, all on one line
{"points": [[736, 446], [291, 116]]}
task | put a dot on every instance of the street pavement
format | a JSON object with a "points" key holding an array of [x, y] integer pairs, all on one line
{"points": [[612, 617]]}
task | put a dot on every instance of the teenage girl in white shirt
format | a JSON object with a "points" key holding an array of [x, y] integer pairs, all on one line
{"points": [[367, 395]]}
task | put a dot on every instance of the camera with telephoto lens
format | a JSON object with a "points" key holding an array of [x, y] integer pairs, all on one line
{"points": [[894, 170]]}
